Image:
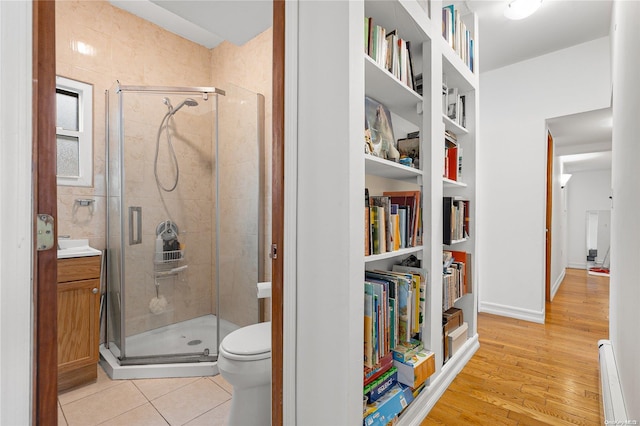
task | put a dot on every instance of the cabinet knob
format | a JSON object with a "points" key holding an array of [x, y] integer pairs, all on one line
{"points": [[95, 290]]}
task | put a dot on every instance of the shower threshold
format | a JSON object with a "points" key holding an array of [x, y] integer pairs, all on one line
{"points": [[197, 334]]}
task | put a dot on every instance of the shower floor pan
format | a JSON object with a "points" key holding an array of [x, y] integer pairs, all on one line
{"points": [[190, 336]]}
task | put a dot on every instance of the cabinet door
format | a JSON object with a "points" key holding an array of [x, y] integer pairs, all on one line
{"points": [[78, 328]]}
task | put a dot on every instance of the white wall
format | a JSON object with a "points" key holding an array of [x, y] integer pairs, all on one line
{"points": [[625, 226], [329, 248], [515, 103], [558, 229], [15, 213], [586, 191]]}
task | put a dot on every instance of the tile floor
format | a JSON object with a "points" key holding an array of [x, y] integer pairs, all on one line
{"points": [[191, 401]]}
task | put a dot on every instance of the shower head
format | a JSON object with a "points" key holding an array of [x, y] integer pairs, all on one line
{"points": [[188, 102]]}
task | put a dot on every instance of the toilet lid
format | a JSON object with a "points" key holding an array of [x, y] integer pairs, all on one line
{"points": [[250, 340]]}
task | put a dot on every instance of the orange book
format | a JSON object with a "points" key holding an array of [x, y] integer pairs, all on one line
{"points": [[452, 163], [464, 257]]}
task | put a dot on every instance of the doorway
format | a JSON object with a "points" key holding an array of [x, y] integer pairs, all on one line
{"points": [[580, 181], [45, 31]]}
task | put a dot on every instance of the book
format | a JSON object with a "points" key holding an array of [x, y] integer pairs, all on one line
{"points": [[404, 351], [410, 148], [447, 208], [455, 32], [389, 284], [383, 365], [368, 325], [378, 118], [459, 165], [402, 225], [367, 224], [410, 75], [464, 258], [422, 275], [410, 199], [395, 223], [452, 106], [386, 409], [455, 219], [376, 389], [445, 97], [375, 230], [387, 223], [451, 163]]}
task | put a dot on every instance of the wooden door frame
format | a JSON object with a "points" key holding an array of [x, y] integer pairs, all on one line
{"points": [[45, 359], [549, 214], [45, 391], [277, 225]]}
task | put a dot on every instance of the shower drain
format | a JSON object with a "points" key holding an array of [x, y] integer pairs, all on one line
{"points": [[194, 342]]}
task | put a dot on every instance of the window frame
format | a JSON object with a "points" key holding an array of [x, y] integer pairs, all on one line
{"points": [[84, 133]]}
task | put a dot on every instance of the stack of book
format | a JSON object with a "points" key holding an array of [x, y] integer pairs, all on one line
{"points": [[456, 280], [455, 218], [394, 309], [392, 221], [452, 157], [455, 32], [395, 362], [454, 106], [389, 51]]}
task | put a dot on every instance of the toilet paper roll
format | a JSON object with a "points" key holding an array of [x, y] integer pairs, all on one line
{"points": [[264, 290]]}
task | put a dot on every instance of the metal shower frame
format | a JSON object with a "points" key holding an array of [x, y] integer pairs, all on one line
{"points": [[119, 89]]}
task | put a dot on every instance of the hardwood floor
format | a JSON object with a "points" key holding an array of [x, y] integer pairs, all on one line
{"points": [[534, 374]]}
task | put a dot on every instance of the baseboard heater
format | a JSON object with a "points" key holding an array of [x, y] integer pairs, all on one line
{"points": [[612, 400]]}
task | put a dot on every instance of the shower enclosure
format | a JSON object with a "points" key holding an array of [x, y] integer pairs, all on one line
{"points": [[184, 173]]}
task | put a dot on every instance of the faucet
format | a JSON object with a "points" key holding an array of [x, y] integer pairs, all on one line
{"points": [[65, 237]]}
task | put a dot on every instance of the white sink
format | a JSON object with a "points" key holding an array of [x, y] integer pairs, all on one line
{"points": [[76, 248]]}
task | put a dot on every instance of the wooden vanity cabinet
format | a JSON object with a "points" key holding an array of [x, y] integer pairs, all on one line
{"points": [[78, 320]]}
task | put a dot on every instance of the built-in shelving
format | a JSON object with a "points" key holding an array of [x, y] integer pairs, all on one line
{"points": [[451, 125], [391, 254], [332, 97], [461, 240], [453, 183], [382, 86], [387, 169], [413, 24]]}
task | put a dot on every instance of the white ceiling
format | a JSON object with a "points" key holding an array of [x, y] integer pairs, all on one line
{"points": [[557, 24], [591, 130], [586, 162], [208, 23], [583, 141]]}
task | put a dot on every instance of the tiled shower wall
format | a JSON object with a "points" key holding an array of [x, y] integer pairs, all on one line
{"points": [[98, 44]]}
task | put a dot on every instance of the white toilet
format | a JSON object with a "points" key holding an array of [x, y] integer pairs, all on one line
{"points": [[244, 360]]}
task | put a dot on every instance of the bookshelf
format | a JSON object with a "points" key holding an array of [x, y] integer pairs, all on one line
{"points": [[332, 173], [439, 64]]}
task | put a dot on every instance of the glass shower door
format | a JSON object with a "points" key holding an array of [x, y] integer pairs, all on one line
{"points": [[242, 186], [162, 175]]}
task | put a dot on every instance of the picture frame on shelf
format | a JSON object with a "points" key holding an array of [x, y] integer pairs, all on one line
{"points": [[380, 127], [410, 147]]}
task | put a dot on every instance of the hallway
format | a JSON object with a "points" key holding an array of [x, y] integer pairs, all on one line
{"points": [[533, 374]]}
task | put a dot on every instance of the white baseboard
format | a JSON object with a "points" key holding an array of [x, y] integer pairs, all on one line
{"points": [[511, 312], [577, 265], [556, 285]]}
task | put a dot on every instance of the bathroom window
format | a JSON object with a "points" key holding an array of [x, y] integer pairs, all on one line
{"points": [[74, 132]]}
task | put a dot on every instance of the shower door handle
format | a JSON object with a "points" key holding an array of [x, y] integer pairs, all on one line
{"points": [[135, 236]]}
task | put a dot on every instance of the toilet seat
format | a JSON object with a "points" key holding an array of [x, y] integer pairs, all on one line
{"points": [[249, 343]]}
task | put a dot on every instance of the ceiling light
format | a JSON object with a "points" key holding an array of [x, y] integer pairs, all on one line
{"points": [[520, 9]]}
